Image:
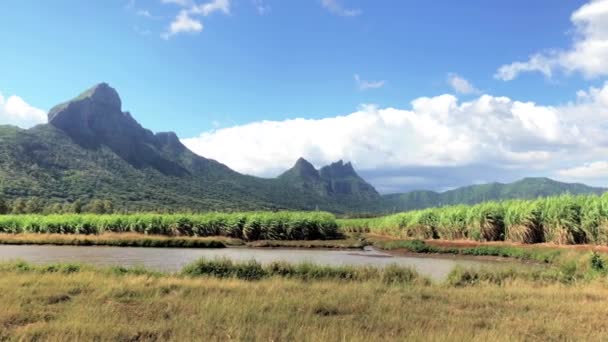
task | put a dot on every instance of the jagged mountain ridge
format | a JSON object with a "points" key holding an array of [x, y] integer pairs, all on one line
{"points": [[336, 179], [92, 149]]}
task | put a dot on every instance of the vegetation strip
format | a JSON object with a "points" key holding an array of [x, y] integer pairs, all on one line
{"points": [[544, 255], [249, 226], [142, 240], [310, 244], [562, 219], [253, 270], [116, 240]]}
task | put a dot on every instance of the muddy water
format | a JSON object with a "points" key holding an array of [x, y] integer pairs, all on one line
{"points": [[173, 259]]}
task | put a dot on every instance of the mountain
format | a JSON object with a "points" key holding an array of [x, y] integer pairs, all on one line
{"points": [[304, 176], [527, 188], [342, 180], [337, 180], [92, 149]]}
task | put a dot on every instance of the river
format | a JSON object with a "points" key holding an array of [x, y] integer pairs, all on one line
{"points": [[173, 259]]}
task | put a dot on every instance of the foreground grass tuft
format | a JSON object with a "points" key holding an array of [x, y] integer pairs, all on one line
{"points": [[252, 270]]}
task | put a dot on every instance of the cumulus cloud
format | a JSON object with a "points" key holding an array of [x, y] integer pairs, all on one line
{"points": [[186, 21], [15, 111], [438, 132], [183, 23], [592, 170], [206, 9], [336, 7], [363, 84], [461, 85], [587, 54]]}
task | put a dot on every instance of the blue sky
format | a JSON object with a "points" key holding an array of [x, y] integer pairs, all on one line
{"points": [[228, 65]]}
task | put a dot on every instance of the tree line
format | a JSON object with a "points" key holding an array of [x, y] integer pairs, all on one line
{"points": [[36, 205]]}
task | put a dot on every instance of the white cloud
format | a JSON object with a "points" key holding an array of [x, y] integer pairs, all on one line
{"points": [[143, 13], [597, 169], [461, 85], [146, 14], [15, 111], [213, 6], [141, 30], [261, 7], [587, 55], [439, 131], [185, 21], [182, 3], [363, 84], [336, 7]]}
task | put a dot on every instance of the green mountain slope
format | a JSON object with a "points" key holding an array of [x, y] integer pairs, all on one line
{"points": [[527, 188], [91, 149]]}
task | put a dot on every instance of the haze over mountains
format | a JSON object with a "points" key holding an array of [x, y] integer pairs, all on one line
{"points": [[91, 149]]}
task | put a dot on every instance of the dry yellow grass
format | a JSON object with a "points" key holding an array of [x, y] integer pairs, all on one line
{"points": [[92, 306]]}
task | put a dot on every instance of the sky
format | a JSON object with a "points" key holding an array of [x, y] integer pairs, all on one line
{"points": [[417, 94]]}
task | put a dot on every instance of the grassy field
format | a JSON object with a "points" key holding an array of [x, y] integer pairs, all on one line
{"points": [[561, 220], [70, 302], [249, 226]]}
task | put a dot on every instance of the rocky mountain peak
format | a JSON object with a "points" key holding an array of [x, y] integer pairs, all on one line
{"points": [[338, 169], [98, 96], [304, 168], [102, 93], [95, 119]]}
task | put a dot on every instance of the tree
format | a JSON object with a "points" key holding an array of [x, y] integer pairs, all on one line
{"points": [[97, 207], [4, 209], [34, 206], [19, 206], [77, 206], [108, 207], [55, 208]]}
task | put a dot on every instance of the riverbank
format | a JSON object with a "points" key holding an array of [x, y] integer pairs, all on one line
{"points": [[482, 251], [158, 241], [347, 243], [545, 254], [68, 302], [118, 240]]}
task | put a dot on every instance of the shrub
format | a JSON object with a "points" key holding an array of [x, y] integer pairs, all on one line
{"points": [[252, 270]]}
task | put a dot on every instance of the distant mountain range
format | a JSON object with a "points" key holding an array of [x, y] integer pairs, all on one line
{"points": [[91, 149], [527, 188]]}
